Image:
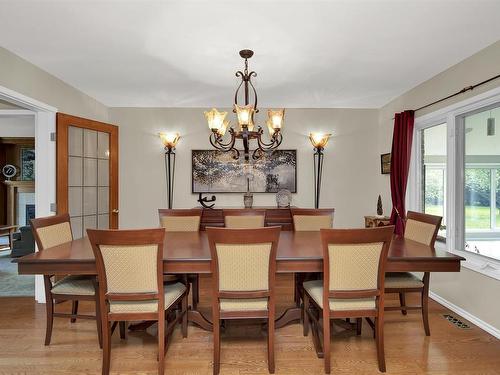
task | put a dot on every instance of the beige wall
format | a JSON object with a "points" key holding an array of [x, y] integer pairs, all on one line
{"points": [[350, 166], [460, 289], [19, 75]]}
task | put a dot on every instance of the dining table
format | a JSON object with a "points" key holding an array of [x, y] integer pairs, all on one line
{"points": [[189, 253]]}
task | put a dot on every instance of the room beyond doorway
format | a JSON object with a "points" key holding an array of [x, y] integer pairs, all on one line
{"points": [[17, 197]]}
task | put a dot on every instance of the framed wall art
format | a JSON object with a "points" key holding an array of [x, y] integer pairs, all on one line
{"points": [[385, 163], [217, 172], [27, 164]]}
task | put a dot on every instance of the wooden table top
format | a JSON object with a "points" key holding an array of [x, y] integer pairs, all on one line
{"points": [[188, 252]]}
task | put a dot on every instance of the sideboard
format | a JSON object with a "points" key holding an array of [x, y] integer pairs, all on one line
{"points": [[273, 216]]}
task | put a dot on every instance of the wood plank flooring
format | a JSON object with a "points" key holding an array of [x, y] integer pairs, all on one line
{"points": [[74, 348]]}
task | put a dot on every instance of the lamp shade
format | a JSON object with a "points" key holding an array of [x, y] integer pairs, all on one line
{"points": [[276, 118], [319, 140], [245, 116], [215, 120], [169, 139]]}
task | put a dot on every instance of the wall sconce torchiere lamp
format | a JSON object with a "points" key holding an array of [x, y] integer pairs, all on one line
{"points": [[169, 141], [319, 141]]}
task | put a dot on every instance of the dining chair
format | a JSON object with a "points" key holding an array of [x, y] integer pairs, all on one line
{"points": [[183, 220], [244, 219], [354, 263], [49, 232], [421, 228], [308, 219], [243, 265], [130, 272]]}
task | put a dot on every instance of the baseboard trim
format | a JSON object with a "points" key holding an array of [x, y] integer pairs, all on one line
{"points": [[471, 318]]}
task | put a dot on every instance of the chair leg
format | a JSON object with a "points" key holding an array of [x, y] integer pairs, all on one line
{"points": [[305, 314], [216, 327], [123, 330], [379, 327], [98, 320], [74, 310], [49, 306], [106, 346], [425, 304], [196, 290], [326, 340], [161, 344], [270, 343], [359, 326], [184, 323], [402, 302]]}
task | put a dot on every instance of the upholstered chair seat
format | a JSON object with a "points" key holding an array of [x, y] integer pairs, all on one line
{"points": [[74, 285], [244, 221], [315, 290], [354, 263], [53, 231], [402, 280], [182, 220], [243, 268], [171, 292], [237, 304], [131, 287], [421, 228]]}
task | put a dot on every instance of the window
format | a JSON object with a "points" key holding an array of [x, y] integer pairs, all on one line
{"points": [[455, 173], [482, 166], [433, 164]]}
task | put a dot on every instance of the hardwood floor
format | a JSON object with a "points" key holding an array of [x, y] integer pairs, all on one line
{"points": [[74, 348]]}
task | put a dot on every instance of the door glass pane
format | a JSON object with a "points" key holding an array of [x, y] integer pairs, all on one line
{"points": [[88, 180], [481, 182], [434, 173]]}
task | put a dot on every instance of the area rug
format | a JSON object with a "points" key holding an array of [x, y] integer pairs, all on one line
{"points": [[12, 284]]}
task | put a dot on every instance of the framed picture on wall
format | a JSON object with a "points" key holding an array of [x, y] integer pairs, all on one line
{"points": [[385, 163], [27, 164], [217, 172]]}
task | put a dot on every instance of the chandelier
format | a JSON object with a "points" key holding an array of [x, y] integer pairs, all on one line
{"points": [[247, 130]]}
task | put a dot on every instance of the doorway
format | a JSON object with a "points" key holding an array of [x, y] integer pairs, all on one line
{"points": [[17, 197]]}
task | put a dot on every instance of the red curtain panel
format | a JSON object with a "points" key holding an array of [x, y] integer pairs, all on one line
{"points": [[400, 165]]}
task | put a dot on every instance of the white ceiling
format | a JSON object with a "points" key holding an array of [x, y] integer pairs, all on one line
{"points": [[349, 53]]}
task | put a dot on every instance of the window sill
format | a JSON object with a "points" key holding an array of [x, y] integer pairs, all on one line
{"points": [[477, 263]]}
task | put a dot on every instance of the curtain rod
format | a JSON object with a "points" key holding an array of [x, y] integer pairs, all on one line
{"points": [[464, 90]]}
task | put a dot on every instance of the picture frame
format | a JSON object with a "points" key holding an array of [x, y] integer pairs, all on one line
{"points": [[385, 163], [214, 171], [27, 158]]}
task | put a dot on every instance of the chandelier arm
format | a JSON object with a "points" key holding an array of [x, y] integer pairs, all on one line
{"points": [[231, 141], [276, 140], [253, 74], [215, 141], [240, 74], [257, 153]]}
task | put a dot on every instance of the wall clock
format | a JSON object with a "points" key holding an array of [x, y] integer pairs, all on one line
{"points": [[9, 171]]}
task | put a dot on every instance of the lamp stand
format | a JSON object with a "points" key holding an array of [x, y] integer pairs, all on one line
{"points": [[169, 173], [318, 171]]}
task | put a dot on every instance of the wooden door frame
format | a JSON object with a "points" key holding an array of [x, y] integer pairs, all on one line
{"points": [[62, 124]]}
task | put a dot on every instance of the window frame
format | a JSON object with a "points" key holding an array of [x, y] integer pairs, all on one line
{"points": [[453, 116]]}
